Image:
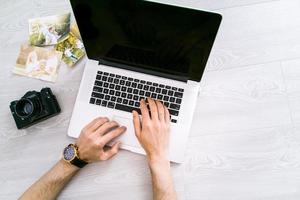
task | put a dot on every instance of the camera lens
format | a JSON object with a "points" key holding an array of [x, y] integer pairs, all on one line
{"points": [[24, 108]]}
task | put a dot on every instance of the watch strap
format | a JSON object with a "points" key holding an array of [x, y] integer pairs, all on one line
{"points": [[78, 162]]}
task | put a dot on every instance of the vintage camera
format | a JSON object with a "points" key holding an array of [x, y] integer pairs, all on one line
{"points": [[34, 107]]}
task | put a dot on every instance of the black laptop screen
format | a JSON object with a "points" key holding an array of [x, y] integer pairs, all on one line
{"points": [[151, 37]]}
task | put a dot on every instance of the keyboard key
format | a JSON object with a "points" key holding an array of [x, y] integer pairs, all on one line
{"points": [[152, 89], [173, 112], [166, 98], [119, 100], [130, 79], [129, 96], [161, 86], [99, 83], [175, 106], [105, 85], [104, 78], [118, 76], [148, 94], [159, 97], [112, 75], [124, 77], [135, 97], [131, 103], [153, 96], [105, 91], [116, 81], [149, 83], [140, 86], [122, 82], [111, 86], [104, 103], [97, 95], [123, 89], [111, 105], [155, 84], [118, 93], [98, 89], [118, 87], [98, 102], [173, 120], [174, 88], [178, 101], [167, 104], [129, 90], [105, 73], [158, 90], [99, 72], [134, 85], [137, 104], [113, 99], [137, 80], [170, 93], [135, 91], [123, 95], [178, 94], [180, 90], [146, 87], [111, 92], [125, 101], [92, 100], [110, 79], [143, 82], [168, 87], [172, 99], [128, 83], [107, 97], [98, 77], [127, 108], [164, 91], [142, 93]]}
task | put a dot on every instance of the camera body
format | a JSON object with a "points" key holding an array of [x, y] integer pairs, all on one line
{"points": [[34, 107]]}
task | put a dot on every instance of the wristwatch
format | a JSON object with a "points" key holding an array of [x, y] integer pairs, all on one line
{"points": [[70, 154]]}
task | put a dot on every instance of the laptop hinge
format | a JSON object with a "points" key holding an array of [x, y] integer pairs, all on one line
{"points": [[146, 71]]}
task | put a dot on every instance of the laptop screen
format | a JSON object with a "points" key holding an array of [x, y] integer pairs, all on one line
{"points": [[150, 37]]}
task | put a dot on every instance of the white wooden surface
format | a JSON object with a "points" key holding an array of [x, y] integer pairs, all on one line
{"points": [[245, 139]]}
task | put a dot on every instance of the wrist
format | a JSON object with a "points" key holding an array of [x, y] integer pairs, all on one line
{"points": [[68, 166], [158, 161]]}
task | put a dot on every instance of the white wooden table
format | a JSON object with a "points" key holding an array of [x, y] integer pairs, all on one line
{"points": [[245, 138]]}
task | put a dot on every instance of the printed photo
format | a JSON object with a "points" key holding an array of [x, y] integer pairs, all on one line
{"points": [[36, 62], [49, 30], [72, 49], [75, 30]]}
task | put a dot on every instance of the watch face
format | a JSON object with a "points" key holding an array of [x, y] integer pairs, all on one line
{"points": [[69, 153]]}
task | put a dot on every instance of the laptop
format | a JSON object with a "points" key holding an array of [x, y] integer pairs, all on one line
{"points": [[139, 49]]}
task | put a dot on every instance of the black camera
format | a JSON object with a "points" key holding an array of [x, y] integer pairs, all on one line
{"points": [[34, 107]]}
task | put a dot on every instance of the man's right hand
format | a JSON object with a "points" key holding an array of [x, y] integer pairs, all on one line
{"points": [[153, 130]]}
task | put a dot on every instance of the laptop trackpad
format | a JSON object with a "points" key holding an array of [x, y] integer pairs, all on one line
{"points": [[127, 138]]}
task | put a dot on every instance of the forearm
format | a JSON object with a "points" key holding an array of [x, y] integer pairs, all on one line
{"points": [[50, 185], [162, 183]]}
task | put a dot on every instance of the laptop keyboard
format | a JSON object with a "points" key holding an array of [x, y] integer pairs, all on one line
{"points": [[125, 93]]}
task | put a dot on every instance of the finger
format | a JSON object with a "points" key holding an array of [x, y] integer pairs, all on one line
{"points": [[153, 109], [144, 110], [98, 123], [106, 127], [167, 115], [161, 110], [113, 134], [91, 124], [111, 152], [136, 124]]}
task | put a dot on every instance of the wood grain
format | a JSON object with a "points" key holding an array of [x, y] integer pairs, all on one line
{"points": [[245, 138]]}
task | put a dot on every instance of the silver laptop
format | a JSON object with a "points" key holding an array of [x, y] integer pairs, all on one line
{"points": [[138, 49]]}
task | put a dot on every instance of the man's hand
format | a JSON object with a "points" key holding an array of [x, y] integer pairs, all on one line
{"points": [[95, 136], [153, 131]]}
